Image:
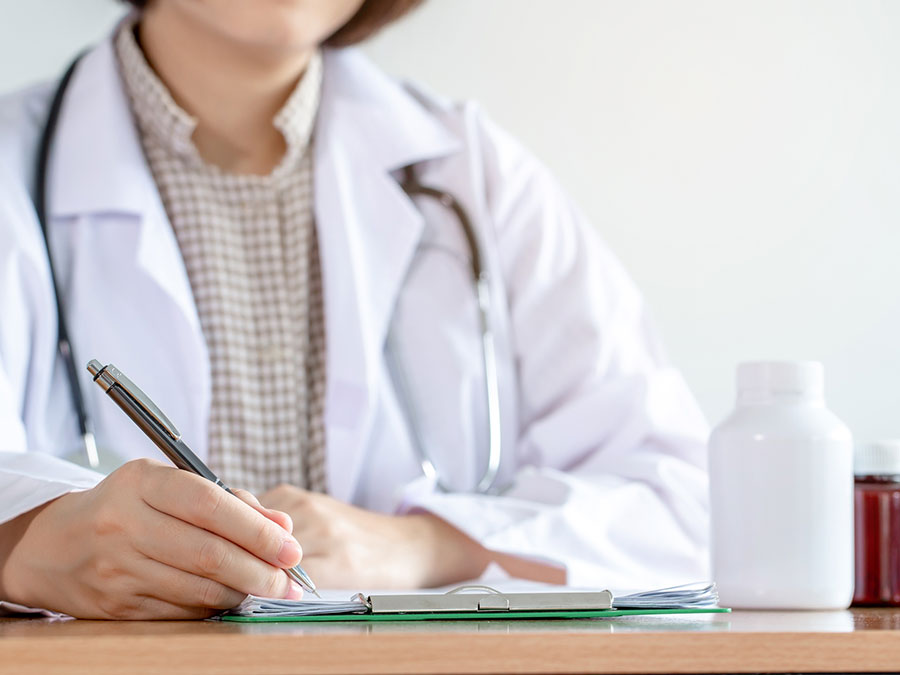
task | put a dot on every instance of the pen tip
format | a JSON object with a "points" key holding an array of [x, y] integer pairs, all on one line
{"points": [[316, 593]]}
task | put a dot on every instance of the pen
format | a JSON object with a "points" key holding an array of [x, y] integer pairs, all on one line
{"points": [[159, 429]]}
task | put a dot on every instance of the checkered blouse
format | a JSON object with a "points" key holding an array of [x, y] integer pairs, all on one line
{"points": [[249, 246]]}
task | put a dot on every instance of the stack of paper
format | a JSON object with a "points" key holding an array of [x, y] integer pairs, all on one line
{"points": [[676, 597], [273, 607]]}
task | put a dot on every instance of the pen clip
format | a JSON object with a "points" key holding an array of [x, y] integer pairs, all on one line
{"points": [[108, 376]]}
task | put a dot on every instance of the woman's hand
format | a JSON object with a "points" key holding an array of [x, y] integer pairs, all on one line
{"points": [[150, 542], [348, 547]]}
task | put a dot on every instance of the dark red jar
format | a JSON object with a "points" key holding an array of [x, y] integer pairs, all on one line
{"points": [[877, 525]]}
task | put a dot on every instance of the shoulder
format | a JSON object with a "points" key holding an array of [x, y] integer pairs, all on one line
{"points": [[407, 108], [475, 128], [491, 161], [514, 183]]}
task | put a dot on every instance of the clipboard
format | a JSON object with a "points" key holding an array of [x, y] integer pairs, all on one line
{"points": [[478, 602]]}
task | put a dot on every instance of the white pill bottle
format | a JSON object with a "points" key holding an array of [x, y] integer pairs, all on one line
{"points": [[781, 493]]}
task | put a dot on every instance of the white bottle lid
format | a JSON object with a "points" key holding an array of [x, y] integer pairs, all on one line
{"points": [[781, 376], [881, 458]]}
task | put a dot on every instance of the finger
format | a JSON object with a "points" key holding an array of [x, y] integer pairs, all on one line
{"points": [[279, 517], [175, 586], [143, 607], [173, 542], [200, 502]]}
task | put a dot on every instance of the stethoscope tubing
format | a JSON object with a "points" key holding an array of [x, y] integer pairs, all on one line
{"points": [[482, 289]]}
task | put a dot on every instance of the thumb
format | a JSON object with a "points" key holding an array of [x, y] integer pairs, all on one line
{"points": [[280, 518]]}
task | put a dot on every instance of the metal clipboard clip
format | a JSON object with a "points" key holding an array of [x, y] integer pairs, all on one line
{"points": [[487, 599]]}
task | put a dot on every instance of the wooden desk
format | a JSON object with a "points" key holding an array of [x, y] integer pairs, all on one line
{"points": [[852, 641]]}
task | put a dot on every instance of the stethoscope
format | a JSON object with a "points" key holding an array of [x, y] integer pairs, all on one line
{"points": [[412, 187]]}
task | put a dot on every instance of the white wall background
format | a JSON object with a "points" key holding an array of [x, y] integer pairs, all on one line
{"points": [[741, 157]]}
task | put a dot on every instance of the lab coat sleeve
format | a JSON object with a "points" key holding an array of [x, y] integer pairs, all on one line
{"points": [[29, 473], [611, 473]]}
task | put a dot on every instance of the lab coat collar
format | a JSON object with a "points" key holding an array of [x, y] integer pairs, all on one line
{"points": [[98, 164]]}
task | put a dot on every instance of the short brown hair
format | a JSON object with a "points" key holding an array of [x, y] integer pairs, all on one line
{"points": [[370, 18]]}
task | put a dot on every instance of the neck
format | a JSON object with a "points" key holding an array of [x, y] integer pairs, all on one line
{"points": [[234, 91]]}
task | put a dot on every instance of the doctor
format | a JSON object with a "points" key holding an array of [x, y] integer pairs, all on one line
{"points": [[228, 226]]}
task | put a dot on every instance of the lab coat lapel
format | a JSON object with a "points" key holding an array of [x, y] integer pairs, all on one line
{"points": [[355, 298], [98, 170], [368, 234]]}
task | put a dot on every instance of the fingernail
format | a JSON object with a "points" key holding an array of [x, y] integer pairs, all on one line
{"points": [[294, 592], [290, 553]]}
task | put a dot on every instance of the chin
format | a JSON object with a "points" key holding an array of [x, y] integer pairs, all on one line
{"points": [[278, 25]]}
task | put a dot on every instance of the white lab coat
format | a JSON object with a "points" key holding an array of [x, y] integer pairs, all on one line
{"points": [[603, 445]]}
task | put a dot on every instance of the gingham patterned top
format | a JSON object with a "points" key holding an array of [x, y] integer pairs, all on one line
{"points": [[250, 249]]}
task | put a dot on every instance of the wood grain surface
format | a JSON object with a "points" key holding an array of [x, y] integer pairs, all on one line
{"points": [[742, 642]]}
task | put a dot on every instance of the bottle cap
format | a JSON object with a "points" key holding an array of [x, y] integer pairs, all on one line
{"points": [[781, 376], [881, 458]]}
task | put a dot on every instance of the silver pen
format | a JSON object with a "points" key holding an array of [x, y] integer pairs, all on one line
{"points": [[159, 429]]}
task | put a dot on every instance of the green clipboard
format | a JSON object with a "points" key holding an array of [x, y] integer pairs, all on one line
{"points": [[480, 602], [448, 616]]}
